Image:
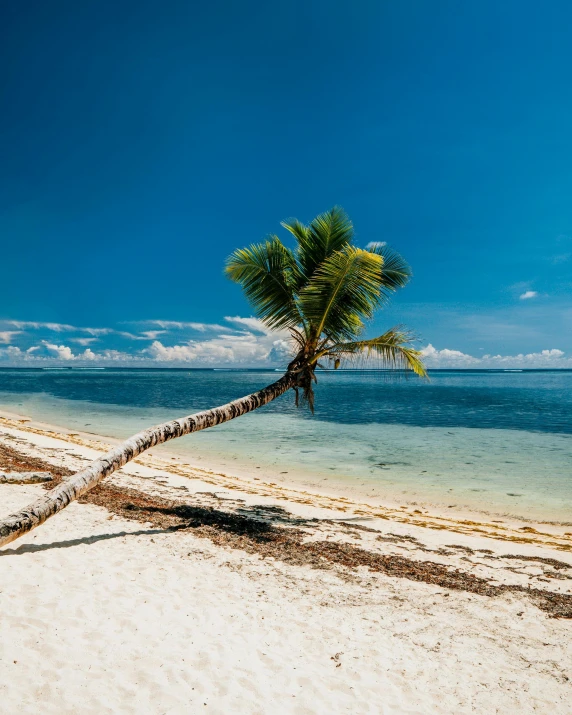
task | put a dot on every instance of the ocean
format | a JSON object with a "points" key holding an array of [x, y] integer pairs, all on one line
{"points": [[496, 441]]}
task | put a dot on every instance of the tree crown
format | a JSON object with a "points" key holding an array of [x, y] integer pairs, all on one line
{"points": [[323, 291]]}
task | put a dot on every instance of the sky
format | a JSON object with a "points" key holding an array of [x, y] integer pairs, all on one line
{"points": [[142, 142]]}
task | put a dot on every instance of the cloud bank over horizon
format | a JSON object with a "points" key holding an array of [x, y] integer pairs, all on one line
{"points": [[446, 358], [238, 341]]}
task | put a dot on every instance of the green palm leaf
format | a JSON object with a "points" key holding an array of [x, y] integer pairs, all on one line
{"points": [[327, 233], [344, 290], [393, 348], [396, 271], [268, 274]]}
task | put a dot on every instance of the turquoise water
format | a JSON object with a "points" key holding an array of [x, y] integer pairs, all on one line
{"points": [[500, 442]]}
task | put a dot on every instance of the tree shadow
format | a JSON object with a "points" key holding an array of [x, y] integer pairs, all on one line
{"points": [[259, 522], [33, 548]]}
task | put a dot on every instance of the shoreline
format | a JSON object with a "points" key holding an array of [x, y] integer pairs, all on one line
{"points": [[517, 476], [301, 495]]}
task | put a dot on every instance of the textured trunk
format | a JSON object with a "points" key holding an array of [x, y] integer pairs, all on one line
{"points": [[24, 477], [57, 499]]}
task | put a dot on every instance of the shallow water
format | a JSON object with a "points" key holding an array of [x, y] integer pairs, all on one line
{"points": [[494, 441]]}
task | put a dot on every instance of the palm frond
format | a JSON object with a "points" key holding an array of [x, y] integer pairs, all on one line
{"points": [[268, 274], [393, 349], [395, 271], [327, 233], [344, 290], [297, 229]]}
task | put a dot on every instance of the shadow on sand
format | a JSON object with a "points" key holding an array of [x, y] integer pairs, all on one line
{"points": [[33, 548]]}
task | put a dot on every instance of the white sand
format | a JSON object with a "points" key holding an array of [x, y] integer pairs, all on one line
{"points": [[104, 615]]}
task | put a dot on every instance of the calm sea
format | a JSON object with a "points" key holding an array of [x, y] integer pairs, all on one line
{"points": [[497, 441]]}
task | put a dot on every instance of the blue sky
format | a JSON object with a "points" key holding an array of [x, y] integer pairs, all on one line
{"points": [[141, 142]]}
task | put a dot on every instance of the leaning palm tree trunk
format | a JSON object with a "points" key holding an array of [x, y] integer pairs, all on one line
{"points": [[33, 515]]}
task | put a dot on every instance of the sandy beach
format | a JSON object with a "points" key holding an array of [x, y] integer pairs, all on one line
{"points": [[174, 589]]}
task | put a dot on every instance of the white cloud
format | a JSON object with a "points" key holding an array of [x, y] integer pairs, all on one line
{"points": [[31, 325], [255, 344], [544, 358], [63, 352], [372, 245], [281, 351], [6, 336], [52, 353], [202, 327], [145, 335], [527, 295], [254, 324], [242, 349], [84, 341], [446, 356], [178, 325], [96, 331], [58, 327], [117, 356], [244, 341], [13, 352], [152, 334], [552, 358], [213, 352], [129, 336]]}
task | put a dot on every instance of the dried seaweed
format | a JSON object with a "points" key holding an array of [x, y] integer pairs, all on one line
{"points": [[254, 532]]}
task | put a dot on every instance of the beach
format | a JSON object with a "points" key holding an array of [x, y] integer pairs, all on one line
{"points": [[175, 588], [286, 358]]}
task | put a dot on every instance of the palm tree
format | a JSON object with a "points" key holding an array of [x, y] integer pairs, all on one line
{"points": [[323, 291]]}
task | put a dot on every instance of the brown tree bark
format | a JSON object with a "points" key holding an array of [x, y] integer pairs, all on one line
{"points": [[20, 523]]}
